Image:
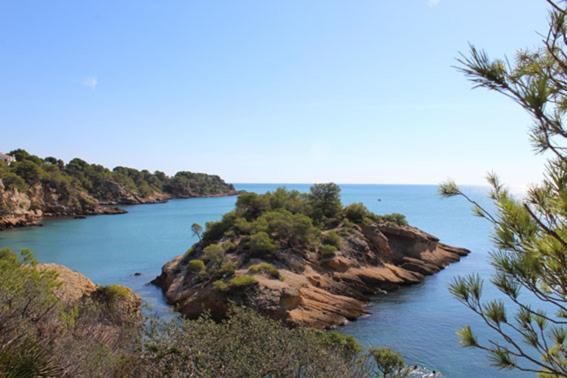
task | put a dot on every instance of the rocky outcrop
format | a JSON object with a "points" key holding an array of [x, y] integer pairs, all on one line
{"points": [[74, 287], [312, 290], [27, 208]]}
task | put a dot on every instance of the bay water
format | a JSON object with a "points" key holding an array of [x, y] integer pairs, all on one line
{"points": [[420, 321]]}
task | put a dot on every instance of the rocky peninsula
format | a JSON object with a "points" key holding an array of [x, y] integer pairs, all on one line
{"points": [[32, 188], [301, 258]]}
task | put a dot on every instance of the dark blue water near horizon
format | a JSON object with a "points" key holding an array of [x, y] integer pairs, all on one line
{"points": [[420, 321]]}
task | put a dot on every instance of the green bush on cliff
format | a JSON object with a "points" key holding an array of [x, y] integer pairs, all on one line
{"points": [[220, 285], [395, 218], [265, 267], [116, 292], [356, 212], [196, 265], [242, 281], [331, 238], [290, 230], [325, 202], [328, 251], [261, 244], [214, 253], [227, 269]]}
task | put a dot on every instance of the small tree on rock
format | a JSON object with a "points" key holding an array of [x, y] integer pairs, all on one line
{"points": [[197, 230]]}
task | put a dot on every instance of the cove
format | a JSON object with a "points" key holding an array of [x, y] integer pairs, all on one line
{"points": [[419, 321]]}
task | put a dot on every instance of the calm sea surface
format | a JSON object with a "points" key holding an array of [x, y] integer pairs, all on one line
{"points": [[419, 321]]}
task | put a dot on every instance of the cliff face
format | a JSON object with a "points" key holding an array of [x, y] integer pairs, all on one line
{"points": [[312, 290], [27, 208], [32, 187]]}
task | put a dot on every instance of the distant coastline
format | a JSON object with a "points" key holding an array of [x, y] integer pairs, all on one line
{"points": [[32, 188]]}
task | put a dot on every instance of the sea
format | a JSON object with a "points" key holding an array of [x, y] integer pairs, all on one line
{"points": [[420, 321]]}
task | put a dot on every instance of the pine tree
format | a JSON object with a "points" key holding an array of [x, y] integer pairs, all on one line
{"points": [[530, 234]]}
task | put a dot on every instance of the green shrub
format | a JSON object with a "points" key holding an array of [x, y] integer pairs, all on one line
{"points": [[332, 238], [262, 244], [196, 265], [356, 212], [214, 253], [243, 226], [228, 268], [265, 267], [12, 181], [251, 205], [288, 229], [44, 337], [203, 274], [395, 218], [328, 251], [116, 292], [246, 345], [220, 285], [346, 342], [325, 202], [228, 245], [242, 281], [389, 362]]}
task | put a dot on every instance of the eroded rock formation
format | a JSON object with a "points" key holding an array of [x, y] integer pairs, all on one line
{"points": [[313, 290]]}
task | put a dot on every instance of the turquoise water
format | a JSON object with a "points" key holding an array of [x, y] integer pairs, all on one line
{"points": [[419, 321]]}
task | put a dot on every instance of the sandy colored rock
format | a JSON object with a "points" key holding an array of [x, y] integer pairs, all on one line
{"points": [[314, 291]]}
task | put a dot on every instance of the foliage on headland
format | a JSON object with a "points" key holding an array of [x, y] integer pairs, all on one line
{"points": [[29, 169], [300, 257]]}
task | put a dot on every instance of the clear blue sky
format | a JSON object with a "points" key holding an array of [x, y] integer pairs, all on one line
{"points": [[267, 91]]}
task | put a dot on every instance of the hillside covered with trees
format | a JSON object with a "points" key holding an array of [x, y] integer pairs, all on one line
{"points": [[32, 187]]}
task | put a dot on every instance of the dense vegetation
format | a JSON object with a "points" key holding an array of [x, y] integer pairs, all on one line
{"points": [[275, 226], [530, 234], [103, 183], [42, 336]]}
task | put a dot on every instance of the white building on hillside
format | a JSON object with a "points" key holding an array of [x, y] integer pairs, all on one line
{"points": [[7, 159]]}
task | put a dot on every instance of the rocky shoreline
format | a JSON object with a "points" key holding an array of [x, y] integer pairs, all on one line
{"points": [[320, 293], [37, 204], [32, 188]]}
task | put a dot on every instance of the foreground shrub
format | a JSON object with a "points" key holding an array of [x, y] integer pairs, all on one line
{"points": [[42, 336], [246, 345], [389, 362]]}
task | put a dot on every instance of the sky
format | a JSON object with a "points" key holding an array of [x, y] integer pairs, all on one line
{"points": [[290, 91]]}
